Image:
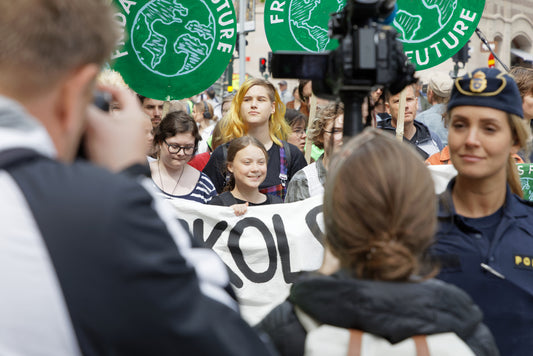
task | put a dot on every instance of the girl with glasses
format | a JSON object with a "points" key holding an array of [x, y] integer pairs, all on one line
{"points": [[176, 140]]}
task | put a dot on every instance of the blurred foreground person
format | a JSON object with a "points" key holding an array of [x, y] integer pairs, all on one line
{"points": [[380, 218], [485, 235], [91, 263]]}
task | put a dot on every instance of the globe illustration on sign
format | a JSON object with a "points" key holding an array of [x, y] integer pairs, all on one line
{"points": [[527, 188], [430, 18], [168, 38], [308, 22]]}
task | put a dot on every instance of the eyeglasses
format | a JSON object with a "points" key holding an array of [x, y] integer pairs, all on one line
{"points": [[336, 130], [298, 132], [175, 149]]}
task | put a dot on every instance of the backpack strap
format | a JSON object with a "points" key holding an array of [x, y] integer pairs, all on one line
{"points": [[421, 345], [309, 324], [356, 343], [283, 176], [287, 150]]}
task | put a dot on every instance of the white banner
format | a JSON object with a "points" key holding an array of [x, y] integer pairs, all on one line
{"points": [[442, 174], [265, 249]]}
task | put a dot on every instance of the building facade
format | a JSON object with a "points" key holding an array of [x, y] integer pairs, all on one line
{"points": [[508, 27]]}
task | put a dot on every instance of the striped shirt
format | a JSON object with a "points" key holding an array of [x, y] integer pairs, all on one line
{"points": [[202, 192]]}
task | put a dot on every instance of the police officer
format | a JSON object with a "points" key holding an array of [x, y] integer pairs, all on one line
{"points": [[485, 234]]}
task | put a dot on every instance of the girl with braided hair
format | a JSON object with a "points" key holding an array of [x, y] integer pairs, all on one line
{"points": [[246, 165]]}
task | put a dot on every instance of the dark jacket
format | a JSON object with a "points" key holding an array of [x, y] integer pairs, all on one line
{"points": [[503, 288], [425, 141], [394, 311]]}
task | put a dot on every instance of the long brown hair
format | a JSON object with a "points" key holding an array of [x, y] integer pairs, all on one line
{"points": [[380, 209]]}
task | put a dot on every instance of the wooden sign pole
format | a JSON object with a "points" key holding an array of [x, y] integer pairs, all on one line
{"points": [[401, 116]]}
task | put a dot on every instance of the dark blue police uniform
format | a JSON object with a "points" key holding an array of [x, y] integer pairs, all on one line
{"points": [[494, 267]]}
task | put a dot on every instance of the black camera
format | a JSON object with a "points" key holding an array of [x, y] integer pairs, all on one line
{"points": [[101, 100], [368, 54]]}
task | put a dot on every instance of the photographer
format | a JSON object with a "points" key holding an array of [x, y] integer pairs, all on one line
{"points": [[90, 262]]}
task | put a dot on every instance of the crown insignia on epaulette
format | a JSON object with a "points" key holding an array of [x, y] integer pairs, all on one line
{"points": [[478, 82]]}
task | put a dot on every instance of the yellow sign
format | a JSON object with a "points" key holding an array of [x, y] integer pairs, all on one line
{"points": [[235, 80]]}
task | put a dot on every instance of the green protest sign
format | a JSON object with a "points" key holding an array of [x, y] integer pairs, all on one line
{"points": [[174, 49], [431, 31], [525, 170], [434, 30], [300, 25]]}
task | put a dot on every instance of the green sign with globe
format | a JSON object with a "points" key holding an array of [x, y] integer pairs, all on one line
{"points": [[434, 30], [173, 49], [525, 170], [300, 25], [431, 31]]}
